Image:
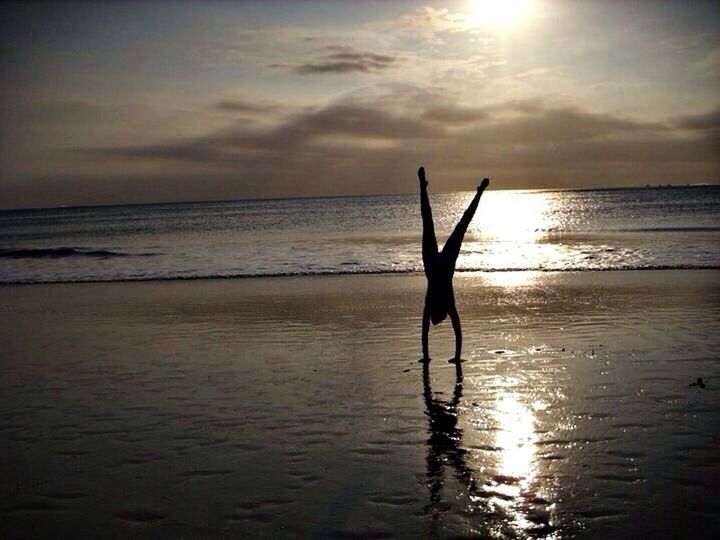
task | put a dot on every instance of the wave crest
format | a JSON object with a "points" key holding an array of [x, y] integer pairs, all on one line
{"points": [[59, 253], [343, 272]]}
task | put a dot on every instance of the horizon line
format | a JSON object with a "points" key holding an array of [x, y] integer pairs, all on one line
{"points": [[350, 196]]}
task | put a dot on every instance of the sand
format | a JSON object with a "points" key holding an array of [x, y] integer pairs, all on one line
{"points": [[296, 407]]}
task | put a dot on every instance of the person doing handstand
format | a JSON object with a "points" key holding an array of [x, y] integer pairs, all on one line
{"points": [[440, 267]]}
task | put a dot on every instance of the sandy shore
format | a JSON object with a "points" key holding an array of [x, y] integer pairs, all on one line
{"points": [[296, 407]]}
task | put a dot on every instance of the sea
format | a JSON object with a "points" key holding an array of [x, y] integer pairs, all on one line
{"points": [[652, 228]]}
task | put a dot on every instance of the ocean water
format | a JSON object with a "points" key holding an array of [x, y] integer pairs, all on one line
{"points": [[619, 229]]}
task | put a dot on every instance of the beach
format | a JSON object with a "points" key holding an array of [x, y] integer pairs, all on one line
{"points": [[296, 407], [226, 229]]}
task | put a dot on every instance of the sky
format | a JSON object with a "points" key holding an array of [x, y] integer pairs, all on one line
{"points": [[135, 102]]}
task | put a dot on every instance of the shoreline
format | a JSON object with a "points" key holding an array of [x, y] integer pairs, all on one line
{"points": [[458, 272]]}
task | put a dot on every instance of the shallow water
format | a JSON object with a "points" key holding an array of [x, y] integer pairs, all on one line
{"points": [[296, 407]]}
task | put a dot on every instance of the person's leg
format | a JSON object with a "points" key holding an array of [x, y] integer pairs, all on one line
{"points": [[425, 332], [455, 318], [451, 250], [429, 242]]}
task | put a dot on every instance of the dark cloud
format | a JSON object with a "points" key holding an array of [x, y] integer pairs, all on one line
{"points": [[529, 132], [362, 121], [310, 132], [563, 125], [241, 105], [370, 146], [701, 122], [505, 125], [519, 122], [452, 114], [340, 59]]}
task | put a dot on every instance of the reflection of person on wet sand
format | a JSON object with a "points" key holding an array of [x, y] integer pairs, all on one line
{"points": [[440, 267], [444, 444]]}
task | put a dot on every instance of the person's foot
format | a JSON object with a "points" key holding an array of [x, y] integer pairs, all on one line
{"points": [[485, 183], [421, 175], [455, 361], [425, 360]]}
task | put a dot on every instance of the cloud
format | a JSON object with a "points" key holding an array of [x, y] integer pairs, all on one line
{"points": [[244, 105], [709, 121], [429, 24], [371, 143], [509, 125], [562, 125], [341, 59], [315, 132], [453, 114], [368, 146]]}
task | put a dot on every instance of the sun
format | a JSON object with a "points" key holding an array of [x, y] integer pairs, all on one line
{"points": [[498, 13]]}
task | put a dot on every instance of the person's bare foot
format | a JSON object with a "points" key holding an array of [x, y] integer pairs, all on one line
{"points": [[485, 183], [425, 360], [421, 175], [455, 360]]}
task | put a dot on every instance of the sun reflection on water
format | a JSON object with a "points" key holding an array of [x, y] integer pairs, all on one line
{"points": [[515, 487], [512, 231], [515, 216], [487, 463], [516, 437]]}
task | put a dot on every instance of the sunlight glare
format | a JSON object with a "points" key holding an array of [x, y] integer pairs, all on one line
{"points": [[500, 13], [509, 233], [517, 438], [515, 216], [512, 279]]}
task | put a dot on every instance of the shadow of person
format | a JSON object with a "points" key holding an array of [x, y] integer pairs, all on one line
{"points": [[444, 444]]}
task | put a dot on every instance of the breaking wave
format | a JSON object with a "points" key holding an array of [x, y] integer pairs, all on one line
{"points": [[62, 252], [359, 271]]}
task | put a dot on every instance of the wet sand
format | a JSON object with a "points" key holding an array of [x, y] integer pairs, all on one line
{"points": [[296, 407]]}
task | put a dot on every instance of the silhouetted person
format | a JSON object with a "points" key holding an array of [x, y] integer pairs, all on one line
{"points": [[699, 383], [440, 267]]}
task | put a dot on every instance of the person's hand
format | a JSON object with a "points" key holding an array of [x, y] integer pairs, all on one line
{"points": [[485, 183]]}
